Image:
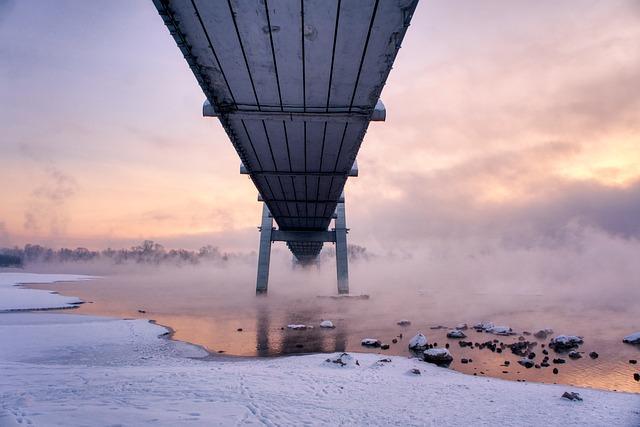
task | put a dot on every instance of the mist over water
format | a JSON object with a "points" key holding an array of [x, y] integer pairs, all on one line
{"points": [[586, 284]]}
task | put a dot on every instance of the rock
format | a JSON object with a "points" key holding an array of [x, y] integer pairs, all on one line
{"points": [[395, 341], [384, 347], [415, 371], [327, 324], [371, 342], [464, 361], [418, 342], [239, 329], [559, 361], [438, 356], [501, 330], [299, 327], [574, 355], [632, 339], [531, 355], [483, 326], [344, 359], [404, 322], [636, 376], [299, 345], [555, 371], [142, 311], [593, 355], [526, 362], [526, 333], [633, 361], [571, 395], [438, 327], [462, 326], [385, 360], [456, 333], [545, 364], [543, 333], [565, 342]]}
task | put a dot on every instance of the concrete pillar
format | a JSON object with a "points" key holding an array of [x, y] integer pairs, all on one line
{"points": [[264, 254], [342, 261]]}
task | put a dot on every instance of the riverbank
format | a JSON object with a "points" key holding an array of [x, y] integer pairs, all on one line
{"points": [[62, 369]]}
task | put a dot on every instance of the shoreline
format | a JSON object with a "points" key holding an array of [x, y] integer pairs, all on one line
{"points": [[216, 355]]}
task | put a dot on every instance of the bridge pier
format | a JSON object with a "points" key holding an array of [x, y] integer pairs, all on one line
{"points": [[264, 256], [337, 235]]}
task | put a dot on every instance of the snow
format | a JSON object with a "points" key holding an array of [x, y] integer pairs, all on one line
{"points": [[14, 298], [632, 339], [418, 342], [327, 324], [72, 370]]}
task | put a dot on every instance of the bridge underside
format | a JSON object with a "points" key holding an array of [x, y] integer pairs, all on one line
{"points": [[295, 84]]}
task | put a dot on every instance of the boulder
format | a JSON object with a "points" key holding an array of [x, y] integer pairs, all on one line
{"points": [[565, 342], [500, 330], [371, 342], [438, 356], [327, 324], [574, 355], [418, 342], [483, 326], [404, 322], [571, 395], [342, 360], [632, 339], [542, 334], [456, 333], [299, 327], [593, 355], [526, 362]]}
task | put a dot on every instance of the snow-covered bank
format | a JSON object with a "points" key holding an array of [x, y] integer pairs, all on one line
{"points": [[64, 369], [14, 298]]}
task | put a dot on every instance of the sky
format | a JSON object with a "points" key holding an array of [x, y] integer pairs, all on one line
{"points": [[507, 121]]}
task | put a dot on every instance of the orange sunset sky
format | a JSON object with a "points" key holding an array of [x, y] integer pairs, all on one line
{"points": [[503, 118]]}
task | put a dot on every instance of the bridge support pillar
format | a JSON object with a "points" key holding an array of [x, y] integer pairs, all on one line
{"points": [[342, 258], [264, 255], [337, 235]]}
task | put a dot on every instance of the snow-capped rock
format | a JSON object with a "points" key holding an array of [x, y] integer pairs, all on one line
{"points": [[483, 326], [632, 339], [456, 333], [371, 342], [501, 330], [343, 360], [299, 327], [565, 342], [418, 342], [439, 356], [327, 324]]}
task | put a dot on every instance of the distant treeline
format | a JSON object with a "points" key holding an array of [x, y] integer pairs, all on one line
{"points": [[148, 252]]}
